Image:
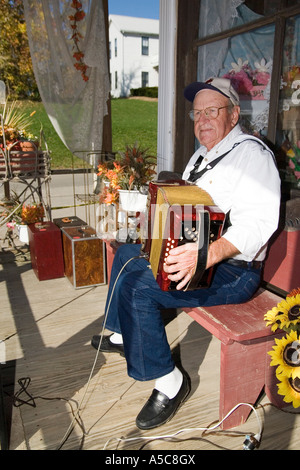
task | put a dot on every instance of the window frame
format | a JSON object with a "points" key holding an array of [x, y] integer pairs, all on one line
{"points": [[143, 75], [279, 20], [145, 48], [188, 42]]}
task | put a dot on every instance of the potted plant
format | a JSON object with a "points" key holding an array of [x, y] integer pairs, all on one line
{"points": [[14, 128], [31, 214], [128, 175]]}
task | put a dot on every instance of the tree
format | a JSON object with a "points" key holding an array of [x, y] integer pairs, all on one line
{"points": [[15, 62]]}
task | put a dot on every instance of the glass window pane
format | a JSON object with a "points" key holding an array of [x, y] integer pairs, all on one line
{"points": [[262, 7], [145, 79], [247, 60], [145, 45], [291, 3], [217, 16], [288, 135]]}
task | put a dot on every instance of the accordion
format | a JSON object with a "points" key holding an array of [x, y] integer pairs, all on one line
{"points": [[180, 213]]}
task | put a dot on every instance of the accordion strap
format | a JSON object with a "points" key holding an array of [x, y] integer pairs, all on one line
{"points": [[193, 178]]}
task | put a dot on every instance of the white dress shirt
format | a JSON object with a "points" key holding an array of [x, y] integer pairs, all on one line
{"points": [[246, 183]]}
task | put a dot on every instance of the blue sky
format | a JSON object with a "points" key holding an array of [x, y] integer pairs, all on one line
{"points": [[138, 8]]}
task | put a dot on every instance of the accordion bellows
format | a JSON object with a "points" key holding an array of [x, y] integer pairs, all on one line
{"points": [[180, 213]]}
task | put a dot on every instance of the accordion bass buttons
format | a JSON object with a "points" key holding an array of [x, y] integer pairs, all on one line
{"points": [[170, 244], [191, 234]]}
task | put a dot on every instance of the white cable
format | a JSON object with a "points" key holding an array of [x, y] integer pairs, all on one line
{"points": [[71, 426], [170, 436]]}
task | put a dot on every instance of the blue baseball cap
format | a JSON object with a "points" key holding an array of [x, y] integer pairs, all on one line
{"points": [[221, 85]]}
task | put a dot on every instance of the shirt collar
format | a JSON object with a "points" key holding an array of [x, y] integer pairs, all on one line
{"points": [[224, 145]]}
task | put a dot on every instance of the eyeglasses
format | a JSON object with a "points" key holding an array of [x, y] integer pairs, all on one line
{"points": [[210, 113]]}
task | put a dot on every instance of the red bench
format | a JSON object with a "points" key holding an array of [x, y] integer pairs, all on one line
{"points": [[245, 339], [245, 369]]}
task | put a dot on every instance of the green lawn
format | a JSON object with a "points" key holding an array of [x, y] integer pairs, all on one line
{"points": [[132, 121]]}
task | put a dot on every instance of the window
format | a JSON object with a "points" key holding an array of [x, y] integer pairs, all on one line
{"points": [[145, 45], [258, 49], [288, 124], [145, 79], [116, 80], [116, 47], [247, 60]]}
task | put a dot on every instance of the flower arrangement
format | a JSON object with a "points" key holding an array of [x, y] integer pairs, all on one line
{"points": [[290, 76], [133, 169], [78, 55], [245, 80], [292, 152], [15, 125], [32, 213], [286, 352], [18, 215], [294, 159]]}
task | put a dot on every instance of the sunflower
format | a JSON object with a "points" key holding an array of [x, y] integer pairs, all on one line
{"points": [[286, 355], [272, 318], [286, 315], [290, 389]]}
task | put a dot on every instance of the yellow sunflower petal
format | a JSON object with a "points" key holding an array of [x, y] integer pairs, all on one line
{"points": [[272, 318], [280, 358], [290, 391]]}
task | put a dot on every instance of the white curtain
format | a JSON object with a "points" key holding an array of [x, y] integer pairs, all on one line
{"points": [[215, 16], [75, 99]]}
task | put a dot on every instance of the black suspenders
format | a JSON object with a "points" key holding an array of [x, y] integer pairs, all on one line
{"points": [[195, 176]]}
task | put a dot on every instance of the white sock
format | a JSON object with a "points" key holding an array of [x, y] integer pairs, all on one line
{"points": [[170, 384], [116, 338]]}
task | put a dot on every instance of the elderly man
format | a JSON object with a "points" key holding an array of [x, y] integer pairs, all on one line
{"points": [[239, 173]]}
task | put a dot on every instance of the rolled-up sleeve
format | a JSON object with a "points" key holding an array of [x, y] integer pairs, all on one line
{"points": [[245, 184]]}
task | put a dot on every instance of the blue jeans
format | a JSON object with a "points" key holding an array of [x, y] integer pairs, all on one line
{"points": [[136, 301]]}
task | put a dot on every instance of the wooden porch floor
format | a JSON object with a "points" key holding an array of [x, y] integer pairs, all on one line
{"points": [[47, 327]]}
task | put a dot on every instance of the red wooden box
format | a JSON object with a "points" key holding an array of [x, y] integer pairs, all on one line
{"points": [[84, 256], [46, 250]]}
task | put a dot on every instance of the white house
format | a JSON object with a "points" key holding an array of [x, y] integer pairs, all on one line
{"points": [[134, 53]]}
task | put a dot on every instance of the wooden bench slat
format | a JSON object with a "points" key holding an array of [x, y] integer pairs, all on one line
{"points": [[241, 322]]}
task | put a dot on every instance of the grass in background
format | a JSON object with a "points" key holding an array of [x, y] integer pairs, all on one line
{"points": [[61, 156], [132, 121]]}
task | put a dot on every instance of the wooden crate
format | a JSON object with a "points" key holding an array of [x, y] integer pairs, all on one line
{"points": [[84, 256]]}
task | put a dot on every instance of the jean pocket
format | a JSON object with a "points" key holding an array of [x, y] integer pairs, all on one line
{"points": [[245, 288]]}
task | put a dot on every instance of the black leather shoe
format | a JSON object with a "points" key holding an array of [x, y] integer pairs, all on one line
{"points": [[159, 408], [107, 345]]}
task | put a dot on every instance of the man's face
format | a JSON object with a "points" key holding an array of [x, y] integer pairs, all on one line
{"points": [[210, 132]]}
